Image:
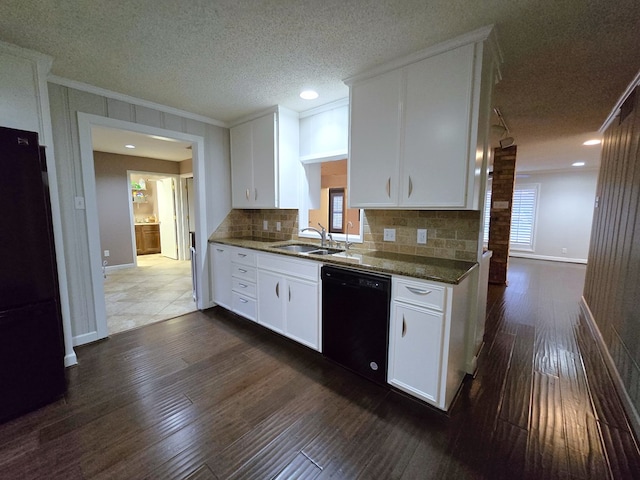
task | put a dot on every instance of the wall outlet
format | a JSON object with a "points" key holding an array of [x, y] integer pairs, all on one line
{"points": [[265, 225], [564, 251], [278, 226], [389, 234], [422, 236], [107, 253]]}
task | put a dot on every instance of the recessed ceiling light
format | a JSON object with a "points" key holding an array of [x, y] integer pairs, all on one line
{"points": [[577, 164], [595, 141], [309, 94], [128, 145]]}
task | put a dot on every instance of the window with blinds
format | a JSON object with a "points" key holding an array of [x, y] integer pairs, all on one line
{"points": [[523, 216]]}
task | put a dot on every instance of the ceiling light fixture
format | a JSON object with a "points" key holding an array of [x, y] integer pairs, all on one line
{"points": [[577, 164], [593, 142], [309, 94], [128, 145]]}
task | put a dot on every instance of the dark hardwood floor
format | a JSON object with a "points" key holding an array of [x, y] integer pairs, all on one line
{"points": [[211, 396]]}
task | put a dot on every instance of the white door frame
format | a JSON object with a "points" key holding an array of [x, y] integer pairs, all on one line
{"points": [[85, 122]]}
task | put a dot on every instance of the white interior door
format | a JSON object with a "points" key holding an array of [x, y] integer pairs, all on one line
{"points": [[167, 214]]}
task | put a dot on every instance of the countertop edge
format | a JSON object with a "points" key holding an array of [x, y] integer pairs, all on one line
{"points": [[268, 247]]}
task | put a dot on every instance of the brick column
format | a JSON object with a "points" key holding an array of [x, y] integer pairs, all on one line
{"points": [[504, 173]]}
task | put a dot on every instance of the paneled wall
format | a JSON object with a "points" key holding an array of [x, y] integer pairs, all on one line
{"points": [[212, 184], [612, 287]]}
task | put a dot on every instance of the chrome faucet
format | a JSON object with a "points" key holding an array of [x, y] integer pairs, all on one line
{"points": [[323, 234], [347, 244]]}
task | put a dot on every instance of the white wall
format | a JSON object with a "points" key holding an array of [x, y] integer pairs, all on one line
{"points": [[564, 216]]}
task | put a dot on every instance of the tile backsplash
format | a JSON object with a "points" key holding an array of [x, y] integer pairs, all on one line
{"points": [[450, 234]]}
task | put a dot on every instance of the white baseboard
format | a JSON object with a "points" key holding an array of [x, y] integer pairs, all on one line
{"points": [[533, 256], [109, 268], [70, 360], [627, 403], [85, 338]]}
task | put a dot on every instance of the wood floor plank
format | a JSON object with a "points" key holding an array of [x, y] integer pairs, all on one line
{"points": [[212, 396]]}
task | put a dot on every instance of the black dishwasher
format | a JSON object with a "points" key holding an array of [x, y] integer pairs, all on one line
{"points": [[355, 320]]}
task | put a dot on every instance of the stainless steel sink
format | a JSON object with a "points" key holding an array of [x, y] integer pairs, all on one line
{"points": [[308, 249], [297, 248]]}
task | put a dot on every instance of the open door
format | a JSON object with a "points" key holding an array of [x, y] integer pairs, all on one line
{"points": [[167, 215]]}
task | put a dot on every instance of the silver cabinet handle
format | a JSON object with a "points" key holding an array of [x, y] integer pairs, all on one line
{"points": [[242, 300], [289, 292], [256, 195], [410, 187], [278, 289], [242, 285], [242, 270], [246, 194], [417, 291], [242, 254], [389, 187], [404, 327], [219, 250]]}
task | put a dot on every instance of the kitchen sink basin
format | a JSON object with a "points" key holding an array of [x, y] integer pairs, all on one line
{"points": [[308, 249], [297, 248]]}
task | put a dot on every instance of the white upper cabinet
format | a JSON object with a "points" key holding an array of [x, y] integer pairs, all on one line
{"points": [[419, 127], [265, 168], [324, 132]]}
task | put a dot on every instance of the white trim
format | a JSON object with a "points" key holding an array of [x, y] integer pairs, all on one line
{"points": [[254, 115], [85, 338], [555, 170], [70, 359], [110, 268], [325, 108], [632, 413], [325, 156], [546, 257], [85, 122], [85, 87], [478, 35], [616, 109]]}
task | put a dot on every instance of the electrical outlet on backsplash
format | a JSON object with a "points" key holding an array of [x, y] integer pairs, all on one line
{"points": [[452, 234]]}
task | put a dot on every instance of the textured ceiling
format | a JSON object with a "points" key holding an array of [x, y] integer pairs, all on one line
{"points": [[565, 62]]}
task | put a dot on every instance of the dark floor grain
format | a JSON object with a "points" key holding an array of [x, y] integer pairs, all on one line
{"points": [[212, 396]]}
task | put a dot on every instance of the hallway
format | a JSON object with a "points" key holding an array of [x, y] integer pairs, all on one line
{"points": [[211, 395], [159, 288]]}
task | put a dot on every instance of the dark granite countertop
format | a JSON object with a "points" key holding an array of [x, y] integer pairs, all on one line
{"points": [[426, 268]]}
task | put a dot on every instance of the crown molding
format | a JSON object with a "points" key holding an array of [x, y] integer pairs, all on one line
{"points": [[85, 87]]}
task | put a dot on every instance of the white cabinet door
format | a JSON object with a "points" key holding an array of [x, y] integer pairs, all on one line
{"points": [[264, 162], [271, 289], [415, 351], [375, 141], [220, 265], [437, 122], [302, 315], [242, 165]]}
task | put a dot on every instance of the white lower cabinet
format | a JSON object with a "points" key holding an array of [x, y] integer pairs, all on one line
{"points": [[415, 351], [220, 268], [288, 297], [427, 338]]}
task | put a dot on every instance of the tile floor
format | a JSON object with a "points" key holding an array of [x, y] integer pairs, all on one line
{"points": [[157, 289]]}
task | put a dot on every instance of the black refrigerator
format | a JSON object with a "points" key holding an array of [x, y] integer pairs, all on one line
{"points": [[31, 340]]}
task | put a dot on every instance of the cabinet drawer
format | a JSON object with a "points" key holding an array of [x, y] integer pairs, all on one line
{"points": [[244, 305], [244, 256], [307, 269], [425, 294], [243, 272], [243, 287]]}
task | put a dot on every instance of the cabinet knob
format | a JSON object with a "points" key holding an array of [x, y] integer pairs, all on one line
{"points": [[404, 327], [242, 270], [389, 187], [247, 194], [256, 195], [278, 289], [410, 187], [242, 300]]}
